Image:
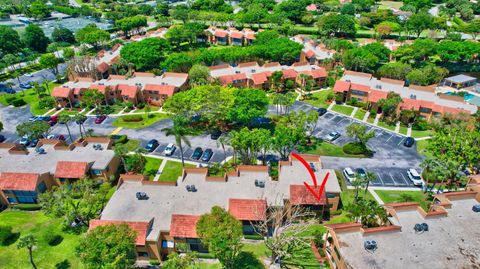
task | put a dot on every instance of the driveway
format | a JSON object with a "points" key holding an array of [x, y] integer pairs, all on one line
{"points": [[39, 77], [11, 118]]}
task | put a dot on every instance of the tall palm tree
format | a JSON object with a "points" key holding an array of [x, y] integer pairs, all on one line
{"points": [[428, 165], [357, 183], [222, 140], [369, 177], [28, 242], [121, 151], [80, 120], [180, 131], [65, 120]]}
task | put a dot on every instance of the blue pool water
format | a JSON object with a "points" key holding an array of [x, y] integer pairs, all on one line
{"points": [[472, 99]]}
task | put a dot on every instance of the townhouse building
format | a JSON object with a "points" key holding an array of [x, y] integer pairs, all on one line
{"points": [[425, 99], [139, 88], [443, 237], [170, 213], [26, 172], [253, 75], [230, 36], [313, 52]]}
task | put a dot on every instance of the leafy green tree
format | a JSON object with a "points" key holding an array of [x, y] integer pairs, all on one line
{"points": [[418, 4], [419, 22], [135, 162], [291, 9], [285, 139], [33, 129], [65, 120], [131, 23], [359, 59], [92, 35], [249, 143], [80, 120], [180, 131], [93, 97], [359, 133], [145, 54], [176, 261], [389, 105], [11, 42], [379, 50], [68, 53], [473, 28], [38, 10], [369, 177], [247, 105], [50, 61], [35, 38], [368, 212], [28, 242], [427, 75], [178, 62], [109, 246], [387, 27], [76, 202], [61, 34], [199, 75], [336, 25], [221, 233], [395, 70]]}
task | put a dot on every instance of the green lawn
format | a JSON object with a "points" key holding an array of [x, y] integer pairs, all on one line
{"points": [[39, 225], [69, 112], [421, 147], [172, 171], [360, 114], [151, 166], [147, 121], [386, 126], [399, 196], [390, 4], [403, 129], [418, 134], [370, 120], [319, 99], [326, 149], [345, 110], [132, 144]]}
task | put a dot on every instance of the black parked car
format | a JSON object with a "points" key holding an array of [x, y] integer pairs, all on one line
{"points": [[321, 111], [2, 138], [216, 134], [409, 142], [151, 145], [207, 155], [197, 153]]}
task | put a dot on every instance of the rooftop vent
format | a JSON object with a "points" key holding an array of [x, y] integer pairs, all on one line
{"points": [[476, 208], [191, 188], [237, 72], [101, 83], [421, 227], [97, 147], [378, 86], [370, 245], [253, 70], [347, 80], [141, 196], [260, 183]]}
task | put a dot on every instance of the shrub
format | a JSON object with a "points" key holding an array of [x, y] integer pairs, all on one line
{"points": [[46, 102], [354, 148], [154, 262], [253, 237], [318, 239], [140, 105], [18, 103], [10, 98], [336, 212], [53, 239], [5, 234], [119, 139], [129, 105], [420, 125], [339, 98], [132, 118], [27, 207]]}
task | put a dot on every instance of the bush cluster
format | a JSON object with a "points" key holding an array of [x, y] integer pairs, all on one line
{"points": [[18, 103], [132, 118], [354, 148]]}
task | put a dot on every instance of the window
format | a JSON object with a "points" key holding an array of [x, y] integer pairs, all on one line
{"points": [[12, 200], [168, 244], [96, 172], [142, 254], [425, 110], [26, 197], [42, 187], [331, 195], [355, 92]]}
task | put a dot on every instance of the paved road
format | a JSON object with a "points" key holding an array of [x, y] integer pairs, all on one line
{"points": [[39, 76]]}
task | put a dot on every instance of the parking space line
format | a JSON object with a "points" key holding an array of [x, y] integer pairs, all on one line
{"points": [[394, 183], [401, 140], [383, 183], [389, 138], [404, 179], [116, 130]]}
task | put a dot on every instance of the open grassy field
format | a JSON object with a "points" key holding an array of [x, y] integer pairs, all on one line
{"points": [[319, 99], [400, 196], [345, 110], [172, 171]]}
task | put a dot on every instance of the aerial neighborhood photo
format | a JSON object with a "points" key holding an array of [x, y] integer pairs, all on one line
{"points": [[240, 134]]}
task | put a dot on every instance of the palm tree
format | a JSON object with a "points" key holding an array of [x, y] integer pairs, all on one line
{"points": [[428, 166], [180, 131], [369, 177], [28, 242], [121, 152], [65, 119], [222, 141], [80, 120], [357, 183]]}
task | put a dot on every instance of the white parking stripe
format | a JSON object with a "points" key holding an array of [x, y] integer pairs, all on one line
{"points": [[389, 138], [379, 177], [400, 142], [404, 178], [394, 183]]}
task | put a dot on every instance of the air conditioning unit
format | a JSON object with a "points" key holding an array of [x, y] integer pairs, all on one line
{"points": [[370, 245], [476, 208], [420, 227], [237, 72]]}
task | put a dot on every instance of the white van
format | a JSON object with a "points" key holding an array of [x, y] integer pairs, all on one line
{"points": [[415, 177], [349, 174]]}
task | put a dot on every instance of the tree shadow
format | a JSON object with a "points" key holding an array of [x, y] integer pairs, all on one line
{"points": [[65, 264], [247, 260], [11, 239]]}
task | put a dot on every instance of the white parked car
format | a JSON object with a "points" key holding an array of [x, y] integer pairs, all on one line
{"points": [[415, 177], [169, 149], [349, 174]]}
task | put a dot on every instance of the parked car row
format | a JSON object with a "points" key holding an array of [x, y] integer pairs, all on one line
{"points": [[32, 142], [198, 153], [360, 173], [52, 120]]}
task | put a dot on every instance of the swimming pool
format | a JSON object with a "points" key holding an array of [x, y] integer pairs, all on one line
{"points": [[472, 99]]}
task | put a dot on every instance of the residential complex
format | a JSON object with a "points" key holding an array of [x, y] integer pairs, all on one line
{"points": [[169, 215], [253, 75], [26, 172], [449, 240], [313, 52], [230, 36], [369, 90]]}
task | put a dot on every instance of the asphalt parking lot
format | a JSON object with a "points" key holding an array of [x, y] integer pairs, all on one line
{"points": [[218, 154]]}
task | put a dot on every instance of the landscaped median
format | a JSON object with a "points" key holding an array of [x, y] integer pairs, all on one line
{"points": [[320, 147], [345, 110], [400, 196], [173, 170], [138, 121], [319, 99]]}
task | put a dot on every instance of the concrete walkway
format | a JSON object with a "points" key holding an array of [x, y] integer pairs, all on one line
{"points": [[409, 131], [90, 112], [159, 171], [48, 112], [355, 109], [365, 118], [377, 118], [331, 105], [58, 111], [397, 127], [375, 195]]}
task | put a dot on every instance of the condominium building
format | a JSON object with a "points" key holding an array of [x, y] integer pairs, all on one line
{"points": [[230, 36]]}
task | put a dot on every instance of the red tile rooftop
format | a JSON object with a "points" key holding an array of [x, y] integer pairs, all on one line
{"points": [[309, 54], [174, 74], [100, 88], [374, 96], [103, 67], [341, 86], [260, 78], [248, 209], [140, 227], [184, 226], [70, 169], [221, 34], [360, 87], [229, 79], [61, 92], [127, 90], [300, 195], [289, 74], [247, 64], [168, 90], [19, 181], [360, 74], [250, 36], [236, 35]]}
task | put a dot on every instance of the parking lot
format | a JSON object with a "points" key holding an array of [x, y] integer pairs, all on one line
{"points": [[218, 154]]}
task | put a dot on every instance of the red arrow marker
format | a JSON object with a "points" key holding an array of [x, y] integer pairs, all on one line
{"points": [[314, 179]]}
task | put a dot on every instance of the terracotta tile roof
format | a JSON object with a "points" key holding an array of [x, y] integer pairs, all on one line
{"points": [[128, 90], [310, 54], [66, 169], [260, 78], [251, 36], [168, 90], [271, 64], [115, 59], [300, 195], [221, 66], [410, 104], [247, 64], [101, 53], [100, 88], [184, 226], [289, 74], [393, 81], [77, 91], [174, 74], [311, 7], [103, 67], [19, 181], [374, 95], [248, 209], [236, 35], [358, 74], [359, 87], [141, 227], [144, 74], [115, 47], [221, 34], [229, 79], [61, 92], [341, 86], [316, 73]]}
